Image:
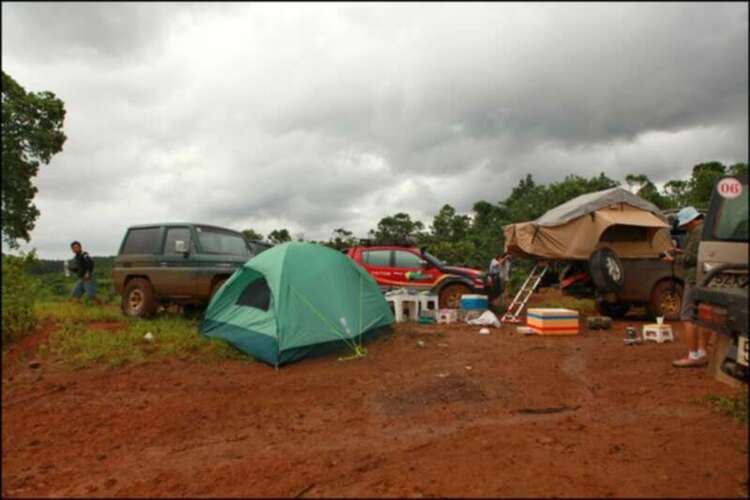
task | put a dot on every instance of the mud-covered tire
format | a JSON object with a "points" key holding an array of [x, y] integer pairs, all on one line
{"points": [[450, 295], [139, 299], [606, 270], [613, 310], [666, 300]]}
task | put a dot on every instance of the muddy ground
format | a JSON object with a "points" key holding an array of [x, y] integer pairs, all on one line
{"points": [[461, 415]]}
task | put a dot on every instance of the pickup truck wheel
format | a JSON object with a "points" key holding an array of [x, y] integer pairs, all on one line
{"points": [[139, 299], [613, 310], [450, 296], [666, 300]]}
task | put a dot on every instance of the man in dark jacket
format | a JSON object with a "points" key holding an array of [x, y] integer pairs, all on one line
{"points": [[83, 265]]}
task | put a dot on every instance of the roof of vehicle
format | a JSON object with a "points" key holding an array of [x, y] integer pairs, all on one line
{"points": [[159, 224]]}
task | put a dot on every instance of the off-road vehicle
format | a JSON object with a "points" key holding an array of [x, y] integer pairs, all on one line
{"points": [[176, 263], [721, 294]]}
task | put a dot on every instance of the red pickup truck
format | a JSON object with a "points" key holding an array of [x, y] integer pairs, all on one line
{"points": [[409, 267]]}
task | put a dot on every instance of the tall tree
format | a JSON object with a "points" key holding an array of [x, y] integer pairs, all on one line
{"points": [[703, 180], [739, 169], [32, 133], [341, 239], [397, 228], [252, 234], [279, 236]]}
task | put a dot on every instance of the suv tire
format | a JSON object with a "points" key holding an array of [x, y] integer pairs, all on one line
{"points": [[613, 310], [606, 270], [666, 300], [139, 299], [450, 295]]}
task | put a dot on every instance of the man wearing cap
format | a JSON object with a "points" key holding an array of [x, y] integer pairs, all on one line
{"points": [[83, 265], [691, 220]]}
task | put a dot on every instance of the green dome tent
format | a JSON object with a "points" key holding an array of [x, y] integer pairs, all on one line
{"points": [[295, 300]]}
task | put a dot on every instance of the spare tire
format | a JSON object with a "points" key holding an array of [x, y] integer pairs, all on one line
{"points": [[606, 270]]}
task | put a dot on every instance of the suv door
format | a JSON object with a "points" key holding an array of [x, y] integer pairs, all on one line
{"points": [[175, 275], [377, 262], [406, 264]]}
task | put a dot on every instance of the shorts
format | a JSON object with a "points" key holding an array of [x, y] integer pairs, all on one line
{"points": [[89, 286], [688, 304]]}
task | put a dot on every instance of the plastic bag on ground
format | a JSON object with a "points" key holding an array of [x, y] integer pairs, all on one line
{"points": [[487, 318]]}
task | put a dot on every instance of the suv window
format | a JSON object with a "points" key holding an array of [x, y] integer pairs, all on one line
{"points": [[222, 242], [141, 241], [377, 257], [174, 234], [732, 220], [407, 259]]}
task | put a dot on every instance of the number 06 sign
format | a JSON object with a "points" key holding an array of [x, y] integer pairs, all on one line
{"points": [[729, 188]]}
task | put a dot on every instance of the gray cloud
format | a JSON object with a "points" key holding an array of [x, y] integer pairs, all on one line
{"points": [[313, 117]]}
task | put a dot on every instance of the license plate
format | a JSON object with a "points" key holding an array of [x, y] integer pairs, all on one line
{"points": [[742, 345]]}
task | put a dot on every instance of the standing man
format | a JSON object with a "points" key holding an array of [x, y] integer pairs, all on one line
{"points": [[83, 266], [696, 337], [500, 273]]}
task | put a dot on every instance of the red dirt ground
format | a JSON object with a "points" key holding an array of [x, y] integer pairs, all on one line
{"points": [[442, 419]]}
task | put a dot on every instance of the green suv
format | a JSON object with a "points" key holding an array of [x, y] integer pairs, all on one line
{"points": [[176, 263]]}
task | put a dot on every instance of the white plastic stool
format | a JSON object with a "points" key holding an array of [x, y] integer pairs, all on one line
{"points": [[398, 301], [446, 316], [425, 301], [658, 333]]}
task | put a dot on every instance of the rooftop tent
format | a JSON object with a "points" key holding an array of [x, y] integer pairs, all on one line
{"points": [[614, 218], [294, 300]]}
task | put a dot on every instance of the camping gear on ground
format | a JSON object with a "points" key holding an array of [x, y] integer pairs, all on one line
{"points": [[525, 330], [466, 316], [400, 303], [487, 318], [446, 316], [426, 320], [149, 337], [631, 336], [599, 322], [484, 331], [658, 333], [549, 321], [614, 218], [513, 313], [295, 300], [474, 302]]}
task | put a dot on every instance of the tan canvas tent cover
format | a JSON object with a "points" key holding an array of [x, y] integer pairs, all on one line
{"points": [[614, 218]]}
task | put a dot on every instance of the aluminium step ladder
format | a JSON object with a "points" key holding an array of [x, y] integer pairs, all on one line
{"points": [[524, 293]]}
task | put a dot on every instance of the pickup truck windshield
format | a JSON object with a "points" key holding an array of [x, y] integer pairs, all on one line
{"points": [[222, 242], [732, 221]]}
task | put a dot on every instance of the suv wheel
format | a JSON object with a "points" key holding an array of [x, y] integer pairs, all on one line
{"points": [[666, 300], [613, 310], [450, 296], [139, 299]]}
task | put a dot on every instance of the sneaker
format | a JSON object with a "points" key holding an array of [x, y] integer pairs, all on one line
{"points": [[688, 362]]}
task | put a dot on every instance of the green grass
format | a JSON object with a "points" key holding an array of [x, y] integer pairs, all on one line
{"points": [[733, 406], [65, 311], [78, 345]]}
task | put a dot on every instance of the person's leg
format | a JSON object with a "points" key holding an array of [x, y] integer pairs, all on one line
{"points": [[90, 286], [694, 338], [77, 290]]}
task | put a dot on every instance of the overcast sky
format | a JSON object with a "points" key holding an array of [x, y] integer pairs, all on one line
{"points": [[317, 116]]}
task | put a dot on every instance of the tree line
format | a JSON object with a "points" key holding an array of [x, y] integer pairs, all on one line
{"points": [[473, 239]]}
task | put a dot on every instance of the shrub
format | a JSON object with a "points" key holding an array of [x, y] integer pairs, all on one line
{"points": [[18, 296]]}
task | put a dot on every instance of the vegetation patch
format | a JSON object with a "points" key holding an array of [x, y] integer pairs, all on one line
{"points": [[734, 406], [80, 346], [18, 298]]}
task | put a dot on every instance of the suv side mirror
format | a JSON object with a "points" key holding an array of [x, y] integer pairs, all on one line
{"points": [[180, 247]]}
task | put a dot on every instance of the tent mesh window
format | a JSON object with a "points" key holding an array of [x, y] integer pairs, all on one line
{"points": [[256, 294]]}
